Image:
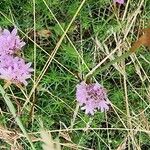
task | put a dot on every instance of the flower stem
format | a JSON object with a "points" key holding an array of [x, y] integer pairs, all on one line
{"points": [[99, 70]]}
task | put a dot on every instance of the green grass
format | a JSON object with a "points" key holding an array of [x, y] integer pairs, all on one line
{"points": [[95, 31]]}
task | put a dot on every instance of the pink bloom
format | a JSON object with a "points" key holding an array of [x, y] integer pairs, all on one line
{"points": [[119, 1], [92, 97], [14, 69], [10, 42]]}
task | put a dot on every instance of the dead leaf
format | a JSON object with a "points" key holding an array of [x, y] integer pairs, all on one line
{"points": [[144, 121], [44, 33], [143, 40], [49, 143], [65, 135]]}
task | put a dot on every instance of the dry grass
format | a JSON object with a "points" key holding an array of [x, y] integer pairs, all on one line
{"points": [[133, 123]]}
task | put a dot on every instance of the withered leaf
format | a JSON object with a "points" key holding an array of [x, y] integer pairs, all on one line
{"points": [[49, 143], [143, 40], [44, 33], [65, 135]]}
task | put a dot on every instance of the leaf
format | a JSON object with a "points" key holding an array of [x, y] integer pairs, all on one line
{"points": [[13, 112], [143, 40], [44, 33], [66, 136], [49, 143]]}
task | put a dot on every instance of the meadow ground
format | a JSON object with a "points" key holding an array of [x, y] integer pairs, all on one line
{"points": [[65, 40]]}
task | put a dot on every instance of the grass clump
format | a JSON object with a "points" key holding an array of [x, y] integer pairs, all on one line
{"points": [[99, 30]]}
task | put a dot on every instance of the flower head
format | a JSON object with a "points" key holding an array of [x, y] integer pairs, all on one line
{"points": [[119, 1], [92, 97], [14, 69], [10, 42]]}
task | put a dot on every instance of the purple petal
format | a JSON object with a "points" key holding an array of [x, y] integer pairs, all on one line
{"points": [[14, 32]]}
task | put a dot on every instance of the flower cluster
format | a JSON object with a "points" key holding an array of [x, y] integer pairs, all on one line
{"points": [[10, 42], [92, 97], [13, 69]]}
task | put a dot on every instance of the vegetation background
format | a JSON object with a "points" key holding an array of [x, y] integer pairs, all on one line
{"points": [[64, 41]]}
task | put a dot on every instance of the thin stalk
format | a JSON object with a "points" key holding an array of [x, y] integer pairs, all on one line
{"points": [[34, 95], [99, 70]]}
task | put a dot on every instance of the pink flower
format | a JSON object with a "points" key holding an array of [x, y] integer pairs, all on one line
{"points": [[119, 1], [14, 69], [92, 97], [10, 42]]}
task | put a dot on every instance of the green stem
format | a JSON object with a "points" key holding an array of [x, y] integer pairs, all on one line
{"points": [[13, 111], [100, 70]]}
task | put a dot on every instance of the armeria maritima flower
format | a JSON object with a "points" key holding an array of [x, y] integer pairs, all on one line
{"points": [[10, 42], [14, 69], [92, 97], [119, 1]]}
